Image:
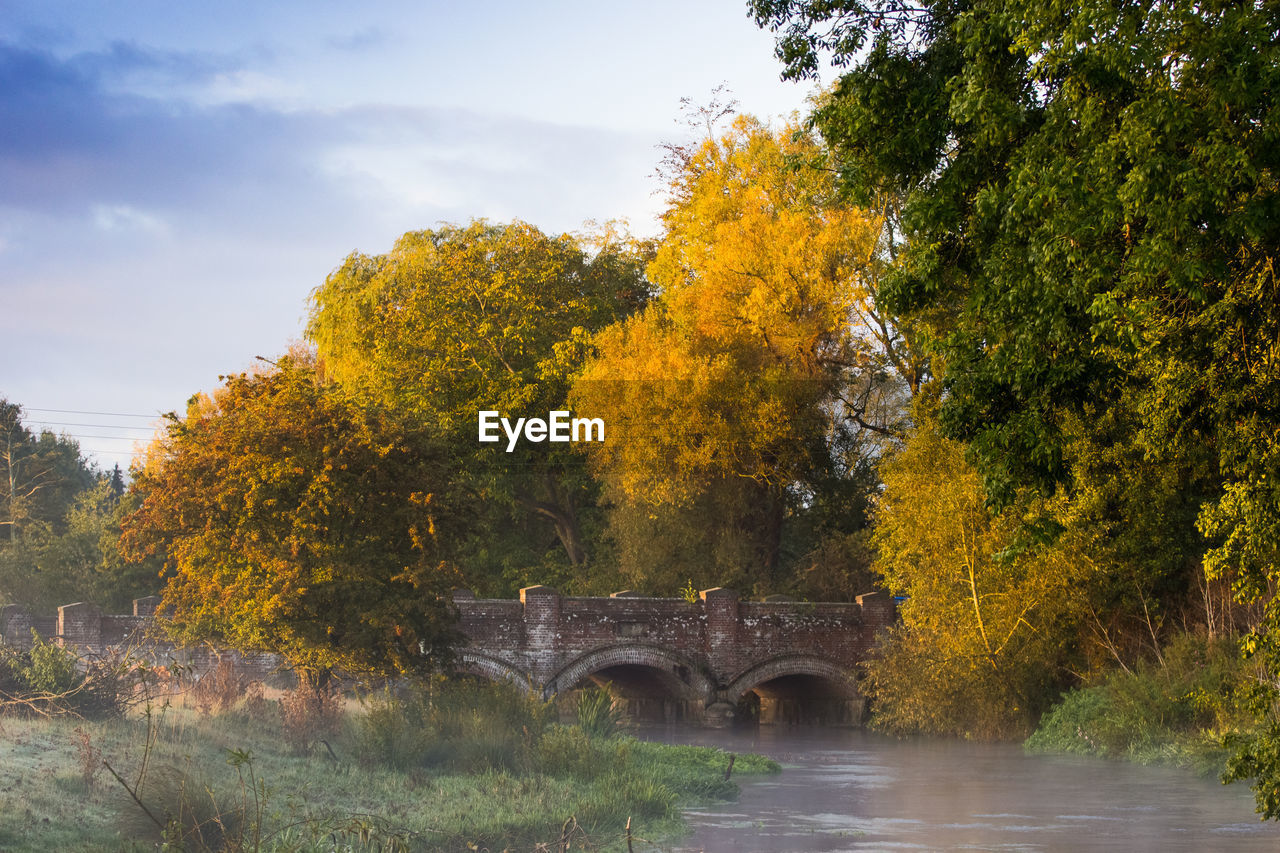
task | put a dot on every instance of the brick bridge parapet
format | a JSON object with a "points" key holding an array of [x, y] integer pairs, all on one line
{"points": [[700, 657], [92, 634], [705, 654]]}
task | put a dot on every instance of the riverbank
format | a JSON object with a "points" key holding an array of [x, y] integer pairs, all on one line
{"points": [[447, 771], [1176, 709]]}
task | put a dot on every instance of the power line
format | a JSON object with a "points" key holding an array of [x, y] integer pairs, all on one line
{"points": [[96, 426], [108, 437], [79, 412]]}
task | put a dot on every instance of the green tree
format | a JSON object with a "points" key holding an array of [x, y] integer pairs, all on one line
{"points": [[1091, 203], [40, 475], [1089, 196], [59, 519], [80, 561], [293, 520], [484, 317]]}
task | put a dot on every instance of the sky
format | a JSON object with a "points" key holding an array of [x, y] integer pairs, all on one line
{"points": [[176, 178]]}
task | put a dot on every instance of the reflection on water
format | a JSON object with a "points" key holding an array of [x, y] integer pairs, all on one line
{"points": [[850, 790]]}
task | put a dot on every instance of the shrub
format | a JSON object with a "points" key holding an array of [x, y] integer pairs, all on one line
{"points": [[47, 679], [914, 692], [255, 701], [219, 688], [183, 812], [1174, 710], [476, 727], [618, 793], [392, 732], [88, 756], [460, 726], [49, 669], [310, 714], [571, 751], [1078, 724]]}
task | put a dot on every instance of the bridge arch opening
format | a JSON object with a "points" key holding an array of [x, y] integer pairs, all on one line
{"points": [[643, 693], [647, 683], [801, 700], [797, 691]]}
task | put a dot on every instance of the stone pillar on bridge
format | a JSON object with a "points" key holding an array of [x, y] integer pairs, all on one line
{"points": [[720, 606], [80, 624], [15, 624], [146, 606], [878, 610], [541, 630]]}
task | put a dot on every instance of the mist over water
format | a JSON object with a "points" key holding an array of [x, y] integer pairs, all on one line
{"points": [[844, 789]]}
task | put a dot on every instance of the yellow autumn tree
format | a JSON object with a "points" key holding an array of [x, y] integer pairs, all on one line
{"points": [[724, 395], [292, 519], [991, 611]]}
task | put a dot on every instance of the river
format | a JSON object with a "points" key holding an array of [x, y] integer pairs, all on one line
{"points": [[852, 790]]}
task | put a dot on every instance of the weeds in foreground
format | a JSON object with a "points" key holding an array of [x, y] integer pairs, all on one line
{"points": [[255, 701], [88, 755], [596, 713], [456, 727], [184, 811], [310, 715], [220, 688], [229, 781], [50, 681]]}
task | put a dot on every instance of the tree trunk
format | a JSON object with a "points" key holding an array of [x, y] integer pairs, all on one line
{"points": [[561, 512], [313, 679]]}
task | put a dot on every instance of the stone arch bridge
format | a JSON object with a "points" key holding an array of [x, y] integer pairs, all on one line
{"points": [[669, 659], [710, 660]]}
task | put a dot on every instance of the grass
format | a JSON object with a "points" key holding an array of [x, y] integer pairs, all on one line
{"points": [[418, 773]]}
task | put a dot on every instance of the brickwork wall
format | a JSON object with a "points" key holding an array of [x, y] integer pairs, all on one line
{"points": [[84, 628], [710, 649], [545, 634], [16, 625]]}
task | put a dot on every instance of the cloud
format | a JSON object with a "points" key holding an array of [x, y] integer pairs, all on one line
{"points": [[198, 229], [132, 65], [74, 144], [71, 141], [120, 217], [249, 87], [77, 145]]}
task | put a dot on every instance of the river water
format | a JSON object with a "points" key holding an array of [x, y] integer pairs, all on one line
{"points": [[852, 790]]}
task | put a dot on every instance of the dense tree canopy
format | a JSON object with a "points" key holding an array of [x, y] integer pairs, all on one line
{"points": [[1090, 207], [471, 317], [981, 644], [754, 378], [1091, 196], [294, 520], [80, 560], [484, 317]]}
